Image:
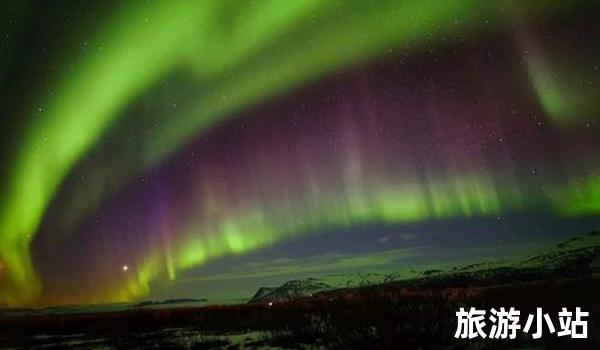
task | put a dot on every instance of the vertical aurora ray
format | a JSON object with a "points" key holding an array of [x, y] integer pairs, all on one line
{"points": [[234, 55], [566, 82], [580, 198], [159, 35], [67, 125], [354, 150], [568, 95]]}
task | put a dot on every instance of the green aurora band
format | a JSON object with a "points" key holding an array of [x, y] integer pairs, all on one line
{"points": [[239, 54], [250, 228], [563, 81]]}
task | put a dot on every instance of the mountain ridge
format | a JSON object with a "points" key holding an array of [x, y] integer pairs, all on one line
{"points": [[578, 256]]}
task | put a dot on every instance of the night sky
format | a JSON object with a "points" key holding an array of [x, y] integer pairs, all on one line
{"points": [[202, 149]]}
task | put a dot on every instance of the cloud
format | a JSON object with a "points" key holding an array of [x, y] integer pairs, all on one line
{"points": [[325, 263], [408, 236], [383, 239]]}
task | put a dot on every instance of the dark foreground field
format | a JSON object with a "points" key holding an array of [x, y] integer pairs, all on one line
{"points": [[387, 316], [417, 313]]}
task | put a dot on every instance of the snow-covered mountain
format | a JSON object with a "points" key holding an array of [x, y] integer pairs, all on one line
{"points": [[290, 290], [578, 255]]}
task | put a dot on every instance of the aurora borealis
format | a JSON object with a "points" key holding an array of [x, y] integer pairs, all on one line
{"points": [[163, 136]]}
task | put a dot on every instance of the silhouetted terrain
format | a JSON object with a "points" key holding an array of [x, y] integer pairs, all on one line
{"points": [[413, 313]]}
